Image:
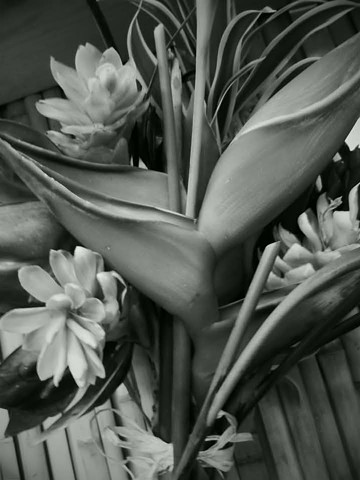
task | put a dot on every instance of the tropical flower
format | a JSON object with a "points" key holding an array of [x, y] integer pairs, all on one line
{"points": [[327, 234], [81, 307], [103, 99]]}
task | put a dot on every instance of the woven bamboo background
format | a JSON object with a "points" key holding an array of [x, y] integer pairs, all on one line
{"points": [[307, 428]]}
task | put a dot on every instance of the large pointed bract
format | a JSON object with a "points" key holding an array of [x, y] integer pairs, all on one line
{"points": [[159, 252], [282, 148]]}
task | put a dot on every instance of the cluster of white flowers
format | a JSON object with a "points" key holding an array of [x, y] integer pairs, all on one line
{"points": [[327, 234], [81, 307], [104, 98]]}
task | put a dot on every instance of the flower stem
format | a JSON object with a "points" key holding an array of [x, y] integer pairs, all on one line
{"points": [[203, 27], [180, 348], [170, 141], [245, 313]]}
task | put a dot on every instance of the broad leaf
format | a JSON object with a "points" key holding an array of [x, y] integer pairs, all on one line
{"points": [[287, 143], [119, 181], [159, 252]]}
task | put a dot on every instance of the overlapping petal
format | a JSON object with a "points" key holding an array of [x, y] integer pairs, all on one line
{"points": [[38, 283]]}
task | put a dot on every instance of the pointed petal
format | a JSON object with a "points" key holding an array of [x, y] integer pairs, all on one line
{"points": [[309, 226], [51, 359], [354, 205], [46, 333], [62, 264], [60, 301], [274, 282], [67, 78], [38, 283], [76, 293], [98, 104], [325, 216], [93, 309], [343, 231], [310, 117], [25, 320], [111, 56], [87, 265], [298, 255], [95, 365], [76, 359], [94, 327], [86, 61], [83, 335], [299, 274], [63, 110], [108, 284]]}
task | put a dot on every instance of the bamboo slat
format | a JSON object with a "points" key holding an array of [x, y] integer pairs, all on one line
{"points": [[326, 425], [302, 427], [344, 399]]}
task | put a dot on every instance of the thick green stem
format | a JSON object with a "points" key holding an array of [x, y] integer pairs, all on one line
{"points": [[180, 343], [248, 307]]}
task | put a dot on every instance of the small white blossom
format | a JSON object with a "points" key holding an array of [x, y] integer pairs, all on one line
{"points": [[80, 308], [104, 99], [327, 234]]}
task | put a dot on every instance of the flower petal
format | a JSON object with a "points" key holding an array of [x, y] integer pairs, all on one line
{"points": [[87, 59], [286, 238], [73, 86], [108, 284], [36, 340], [38, 283], [274, 282], [60, 301], [76, 359], [87, 265], [84, 335], [343, 232], [111, 56], [25, 320], [354, 205], [309, 226], [298, 255], [325, 215], [62, 264], [299, 274], [76, 293], [93, 309], [52, 359], [98, 104], [95, 328], [94, 362], [65, 111]]}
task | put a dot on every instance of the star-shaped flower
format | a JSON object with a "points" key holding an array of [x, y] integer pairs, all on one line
{"points": [[81, 306]]}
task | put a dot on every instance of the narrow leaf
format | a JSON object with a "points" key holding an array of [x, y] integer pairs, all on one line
{"points": [[209, 152], [287, 43]]}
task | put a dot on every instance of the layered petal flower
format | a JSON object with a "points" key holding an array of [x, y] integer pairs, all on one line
{"points": [[326, 235], [70, 330], [103, 96]]}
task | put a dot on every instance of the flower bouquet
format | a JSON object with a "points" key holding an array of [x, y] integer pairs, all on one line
{"points": [[197, 201]]}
